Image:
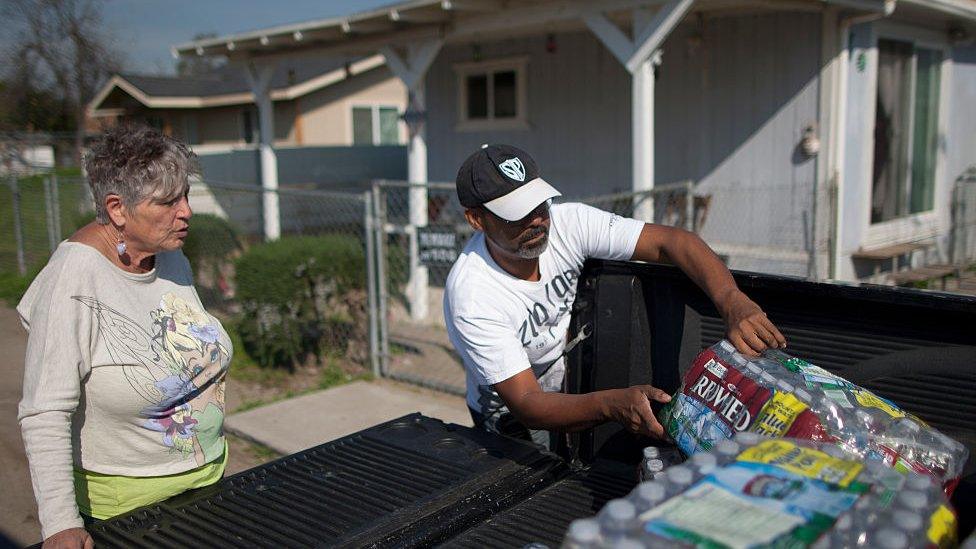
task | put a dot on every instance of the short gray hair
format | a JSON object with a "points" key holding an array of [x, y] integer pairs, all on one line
{"points": [[138, 163]]}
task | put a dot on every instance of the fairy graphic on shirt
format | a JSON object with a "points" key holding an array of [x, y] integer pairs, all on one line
{"points": [[177, 368]]}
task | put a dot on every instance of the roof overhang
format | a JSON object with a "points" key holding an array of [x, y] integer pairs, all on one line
{"points": [[200, 102], [468, 20]]}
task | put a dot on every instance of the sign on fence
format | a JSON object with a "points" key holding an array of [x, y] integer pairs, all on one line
{"points": [[438, 245]]}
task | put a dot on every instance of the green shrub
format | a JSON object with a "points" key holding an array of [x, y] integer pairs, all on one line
{"points": [[210, 248], [211, 240], [301, 295]]}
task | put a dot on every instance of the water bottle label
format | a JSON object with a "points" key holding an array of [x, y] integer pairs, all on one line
{"points": [[710, 407], [778, 415], [870, 400], [942, 527], [690, 519], [803, 461]]}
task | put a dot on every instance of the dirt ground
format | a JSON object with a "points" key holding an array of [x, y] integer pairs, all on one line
{"points": [[18, 511]]}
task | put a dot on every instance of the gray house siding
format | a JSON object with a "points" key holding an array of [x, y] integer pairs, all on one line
{"points": [[733, 97], [961, 146], [578, 110]]}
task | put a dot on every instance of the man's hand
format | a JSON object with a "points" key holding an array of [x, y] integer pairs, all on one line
{"points": [[631, 408], [72, 538], [563, 412], [748, 327]]}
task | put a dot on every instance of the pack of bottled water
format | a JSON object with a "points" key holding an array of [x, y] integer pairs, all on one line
{"points": [[777, 395], [754, 491]]}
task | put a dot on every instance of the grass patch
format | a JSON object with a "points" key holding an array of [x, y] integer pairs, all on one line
{"points": [[13, 286], [258, 451]]}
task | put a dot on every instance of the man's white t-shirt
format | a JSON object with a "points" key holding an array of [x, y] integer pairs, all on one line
{"points": [[502, 325]]}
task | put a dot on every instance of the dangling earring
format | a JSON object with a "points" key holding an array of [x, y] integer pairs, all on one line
{"points": [[120, 245]]}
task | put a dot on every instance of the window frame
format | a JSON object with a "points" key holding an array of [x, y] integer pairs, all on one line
{"points": [[519, 65], [374, 119], [921, 225]]}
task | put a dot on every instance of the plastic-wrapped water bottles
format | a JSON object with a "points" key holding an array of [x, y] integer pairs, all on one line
{"points": [[777, 395], [774, 492]]}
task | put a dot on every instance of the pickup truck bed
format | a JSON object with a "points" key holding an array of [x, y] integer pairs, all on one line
{"points": [[415, 481]]}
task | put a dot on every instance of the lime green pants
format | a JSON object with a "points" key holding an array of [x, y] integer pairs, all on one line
{"points": [[105, 496]]}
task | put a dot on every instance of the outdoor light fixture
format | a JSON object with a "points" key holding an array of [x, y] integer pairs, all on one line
{"points": [[810, 143]]}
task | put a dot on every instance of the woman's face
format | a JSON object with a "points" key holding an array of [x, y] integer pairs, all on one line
{"points": [[155, 226]]}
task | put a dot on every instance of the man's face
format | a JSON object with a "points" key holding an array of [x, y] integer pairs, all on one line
{"points": [[526, 238]]}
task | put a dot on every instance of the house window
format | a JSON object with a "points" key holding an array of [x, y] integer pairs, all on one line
{"points": [[905, 130], [375, 125], [492, 95]]}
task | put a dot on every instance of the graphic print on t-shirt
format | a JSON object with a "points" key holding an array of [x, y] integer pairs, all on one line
{"points": [[178, 370], [543, 317]]}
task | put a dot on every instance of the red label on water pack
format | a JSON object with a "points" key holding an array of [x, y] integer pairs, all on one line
{"points": [[808, 426], [725, 390]]}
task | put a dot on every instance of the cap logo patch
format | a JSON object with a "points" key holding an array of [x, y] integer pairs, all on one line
{"points": [[513, 168]]}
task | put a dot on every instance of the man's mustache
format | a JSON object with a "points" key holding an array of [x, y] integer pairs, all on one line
{"points": [[533, 233]]}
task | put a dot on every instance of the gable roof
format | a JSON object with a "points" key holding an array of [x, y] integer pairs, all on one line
{"points": [[228, 85]]}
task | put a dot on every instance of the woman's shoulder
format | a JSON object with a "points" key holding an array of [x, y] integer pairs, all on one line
{"points": [[71, 267]]}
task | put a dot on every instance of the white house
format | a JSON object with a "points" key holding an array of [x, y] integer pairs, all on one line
{"points": [[828, 133]]}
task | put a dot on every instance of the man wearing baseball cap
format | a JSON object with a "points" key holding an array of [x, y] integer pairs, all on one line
{"points": [[508, 298]]}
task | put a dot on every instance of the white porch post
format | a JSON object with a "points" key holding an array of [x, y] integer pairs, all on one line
{"points": [[639, 55], [417, 175], [259, 77], [642, 142], [411, 71]]}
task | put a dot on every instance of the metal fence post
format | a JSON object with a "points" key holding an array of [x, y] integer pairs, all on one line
{"points": [[369, 227], [56, 203], [382, 282], [49, 214], [18, 229]]}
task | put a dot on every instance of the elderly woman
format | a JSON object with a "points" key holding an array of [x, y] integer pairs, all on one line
{"points": [[123, 399]]}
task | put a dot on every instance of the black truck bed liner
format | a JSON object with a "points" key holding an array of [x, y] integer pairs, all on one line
{"points": [[416, 481]]}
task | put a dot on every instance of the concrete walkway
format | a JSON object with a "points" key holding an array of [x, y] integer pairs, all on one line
{"points": [[18, 513], [295, 424]]}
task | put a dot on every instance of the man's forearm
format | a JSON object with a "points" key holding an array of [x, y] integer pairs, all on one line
{"points": [[690, 253], [560, 411]]}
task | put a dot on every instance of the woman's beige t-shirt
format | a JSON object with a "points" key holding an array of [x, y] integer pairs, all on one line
{"points": [[124, 375]]}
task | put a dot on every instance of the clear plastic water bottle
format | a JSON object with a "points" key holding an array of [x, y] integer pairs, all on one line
{"points": [[702, 464], [582, 534], [677, 479], [726, 451], [913, 500], [652, 452], [651, 469], [918, 482], [888, 538], [748, 438], [617, 519], [911, 523], [647, 496]]}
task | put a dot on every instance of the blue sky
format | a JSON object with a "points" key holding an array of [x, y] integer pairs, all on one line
{"points": [[145, 29]]}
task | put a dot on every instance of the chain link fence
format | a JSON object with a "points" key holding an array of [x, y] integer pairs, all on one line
{"points": [[962, 236], [360, 275], [36, 213]]}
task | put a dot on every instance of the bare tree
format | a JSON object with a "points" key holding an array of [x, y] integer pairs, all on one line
{"points": [[67, 41]]}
